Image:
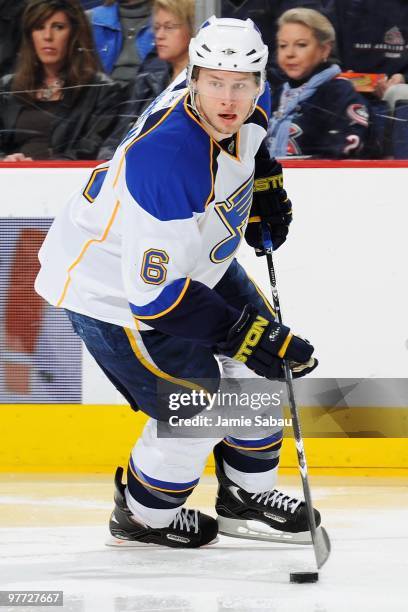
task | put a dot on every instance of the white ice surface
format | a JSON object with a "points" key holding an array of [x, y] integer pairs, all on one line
{"points": [[367, 571]]}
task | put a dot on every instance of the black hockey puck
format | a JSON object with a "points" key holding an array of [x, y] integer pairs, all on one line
{"points": [[300, 577]]}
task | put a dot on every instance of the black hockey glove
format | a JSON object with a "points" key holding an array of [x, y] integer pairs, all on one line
{"points": [[262, 345], [271, 207]]}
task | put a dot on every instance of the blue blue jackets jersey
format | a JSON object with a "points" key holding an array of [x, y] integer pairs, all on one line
{"points": [[332, 123], [155, 229]]}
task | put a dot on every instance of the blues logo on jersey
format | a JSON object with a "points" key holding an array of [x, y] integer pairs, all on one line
{"points": [[233, 212]]}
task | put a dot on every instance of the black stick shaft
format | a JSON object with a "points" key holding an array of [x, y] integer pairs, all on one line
{"points": [[294, 414]]}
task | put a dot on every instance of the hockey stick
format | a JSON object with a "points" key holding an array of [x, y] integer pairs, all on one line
{"points": [[320, 538]]}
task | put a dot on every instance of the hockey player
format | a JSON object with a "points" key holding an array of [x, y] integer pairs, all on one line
{"points": [[143, 260]]}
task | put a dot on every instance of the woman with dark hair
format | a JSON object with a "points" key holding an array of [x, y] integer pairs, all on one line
{"points": [[57, 104]]}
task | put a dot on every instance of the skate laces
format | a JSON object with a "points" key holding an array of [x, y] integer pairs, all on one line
{"points": [[278, 499], [185, 520]]}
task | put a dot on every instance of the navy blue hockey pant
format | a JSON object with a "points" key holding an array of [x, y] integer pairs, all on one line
{"points": [[163, 471]]}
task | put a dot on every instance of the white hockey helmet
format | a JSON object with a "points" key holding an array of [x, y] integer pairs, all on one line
{"points": [[228, 44]]}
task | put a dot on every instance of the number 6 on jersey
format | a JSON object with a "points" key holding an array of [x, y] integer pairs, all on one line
{"points": [[154, 271]]}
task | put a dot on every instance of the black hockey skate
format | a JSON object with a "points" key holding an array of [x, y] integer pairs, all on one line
{"points": [[189, 529], [271, 515]]}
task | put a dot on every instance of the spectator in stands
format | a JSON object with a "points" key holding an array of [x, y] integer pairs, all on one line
{"points": [[10, 32], [315, 113], [123, 36], [57, 104], [265, 14], [372, 37], [173, 26]]}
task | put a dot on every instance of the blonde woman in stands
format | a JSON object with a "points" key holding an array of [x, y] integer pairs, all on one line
{"points": [[315, 112]]}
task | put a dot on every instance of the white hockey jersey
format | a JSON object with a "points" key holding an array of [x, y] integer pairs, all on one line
{"points": [[154, 230]]}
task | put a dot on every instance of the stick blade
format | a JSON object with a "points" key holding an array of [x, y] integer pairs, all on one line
{"points": [[322, 546]]}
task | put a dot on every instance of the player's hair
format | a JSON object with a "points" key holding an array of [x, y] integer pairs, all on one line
{"points": [[182, 9], [318, 23], [81, 62]]}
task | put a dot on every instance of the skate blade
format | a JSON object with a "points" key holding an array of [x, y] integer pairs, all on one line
{"points": [[118, 543], [256, 530]]}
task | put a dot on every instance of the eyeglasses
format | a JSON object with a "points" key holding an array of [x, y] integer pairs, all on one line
{"points": [[167, 27]]}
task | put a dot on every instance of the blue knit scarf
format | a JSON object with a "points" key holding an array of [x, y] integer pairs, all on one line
{"points": [[290, 99]]}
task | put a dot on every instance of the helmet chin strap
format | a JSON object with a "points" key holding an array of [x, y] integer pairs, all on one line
{"points": [[205, 120]]}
